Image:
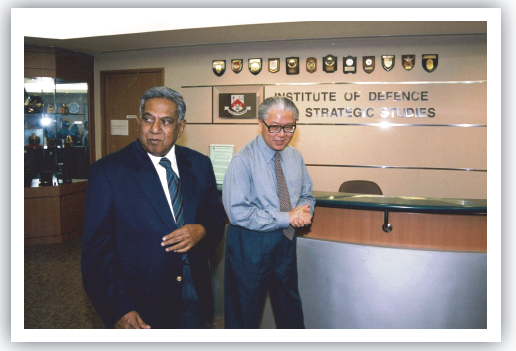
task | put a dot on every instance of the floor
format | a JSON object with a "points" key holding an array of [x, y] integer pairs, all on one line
{"points": [[54, 296]]}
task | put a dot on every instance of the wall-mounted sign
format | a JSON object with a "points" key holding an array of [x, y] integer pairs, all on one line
{"points": [[430, 62], [237, 105], [350, 64], [408, 61], [311, 64], [119, 127], [329, 64], [388, 62], [368, 63], [236, 65], [255, 66], [219, 67], [236, 102], [424, 103], [220, 156], [292, 65], [274, 65]]}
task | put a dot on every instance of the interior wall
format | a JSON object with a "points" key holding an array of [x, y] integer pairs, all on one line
{"points": [[444, 156]]}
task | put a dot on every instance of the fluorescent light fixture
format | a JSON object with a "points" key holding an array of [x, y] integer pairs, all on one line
{"points": [[39, 85], [72, 88], [47, 85]]}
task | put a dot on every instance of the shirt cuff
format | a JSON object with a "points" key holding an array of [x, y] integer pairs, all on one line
{"points": [[283, 220]]}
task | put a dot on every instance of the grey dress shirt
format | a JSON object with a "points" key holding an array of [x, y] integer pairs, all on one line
{"points": [[250, 191]]}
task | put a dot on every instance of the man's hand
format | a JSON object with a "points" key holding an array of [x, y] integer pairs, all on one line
{"points": [[300, 216], [184, 238], [131, 320]]}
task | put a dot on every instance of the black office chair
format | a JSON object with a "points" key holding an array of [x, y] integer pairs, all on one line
{"points": [[360, 187]]}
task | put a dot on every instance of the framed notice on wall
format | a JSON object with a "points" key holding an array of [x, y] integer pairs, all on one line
{"points": [[237, 102], [220, 156]]}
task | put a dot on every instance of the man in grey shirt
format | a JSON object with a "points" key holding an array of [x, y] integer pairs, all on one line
{"points": [[267, 192]]}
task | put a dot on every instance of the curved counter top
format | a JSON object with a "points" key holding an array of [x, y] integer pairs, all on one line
{"points": [[400, 221], [400, 203]]}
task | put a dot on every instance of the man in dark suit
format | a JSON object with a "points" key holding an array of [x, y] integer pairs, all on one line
{"points": [[145, 250]]}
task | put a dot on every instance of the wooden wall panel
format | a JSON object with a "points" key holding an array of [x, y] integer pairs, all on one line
{"points": [[42, 217], [72, 212], [54, 214], [39, 62], [410, 230]]}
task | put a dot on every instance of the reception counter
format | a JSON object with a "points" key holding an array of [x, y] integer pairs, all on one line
{"points": [[385, 262], [400, 221]]}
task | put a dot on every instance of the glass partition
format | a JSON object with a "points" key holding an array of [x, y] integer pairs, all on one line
{"points": [[56, 143]]}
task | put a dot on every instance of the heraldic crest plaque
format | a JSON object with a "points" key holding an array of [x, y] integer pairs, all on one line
{"points": [[293, 65], [329, 64], [368, 63], [240, 105], [388, 62], [219, 67], [311, 64], [430, 62], [408, 61], [255, 66], [236, 65]]}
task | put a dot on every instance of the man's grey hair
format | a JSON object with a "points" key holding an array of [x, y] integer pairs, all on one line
{"points": [[276, 103], [165, 93]]}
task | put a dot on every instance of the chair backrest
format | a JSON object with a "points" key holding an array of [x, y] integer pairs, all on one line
{"points": [[360, 187]]}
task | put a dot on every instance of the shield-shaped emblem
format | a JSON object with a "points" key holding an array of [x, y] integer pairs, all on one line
{"points": [[255, 66], [429, 62], [311, 64], [236, 65], [408, 61], [274, 65], [329, 64], [292, 65], [237, 103], [368, 62], [350, 64], [388, 62], [219, 67]]}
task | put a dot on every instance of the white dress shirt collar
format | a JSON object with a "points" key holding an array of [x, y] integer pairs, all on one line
{"points": [[171, 156]]}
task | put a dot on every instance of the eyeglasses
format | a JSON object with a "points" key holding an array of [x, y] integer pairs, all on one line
{"points": [[289, 128]]}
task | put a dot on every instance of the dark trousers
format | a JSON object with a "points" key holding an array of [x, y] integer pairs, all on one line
{"points": [[256, 262], [192, 316]]}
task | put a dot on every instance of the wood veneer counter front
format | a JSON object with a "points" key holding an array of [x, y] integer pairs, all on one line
{"points": [[54, 214], [422, 223]]}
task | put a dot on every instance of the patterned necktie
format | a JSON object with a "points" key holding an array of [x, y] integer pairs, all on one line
{"points": [[174, 188], [284, 197]]}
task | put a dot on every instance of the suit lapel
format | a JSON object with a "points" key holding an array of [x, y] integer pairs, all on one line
{"points": [[150, 184], [188, 181]]}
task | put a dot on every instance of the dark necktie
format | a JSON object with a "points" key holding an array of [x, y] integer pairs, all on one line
{"points": [[284, 197], [175, 191], [174, 187]]}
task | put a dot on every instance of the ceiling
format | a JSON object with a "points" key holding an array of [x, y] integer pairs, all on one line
{"points": [[261, 33]]}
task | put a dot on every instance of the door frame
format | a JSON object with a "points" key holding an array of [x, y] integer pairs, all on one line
{"points": [[103, 78]]}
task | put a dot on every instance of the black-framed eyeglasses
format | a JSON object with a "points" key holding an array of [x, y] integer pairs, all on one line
{"points": [[289, 128]]}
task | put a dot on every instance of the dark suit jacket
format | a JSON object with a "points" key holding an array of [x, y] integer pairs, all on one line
{"points": [[124, 266]]}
